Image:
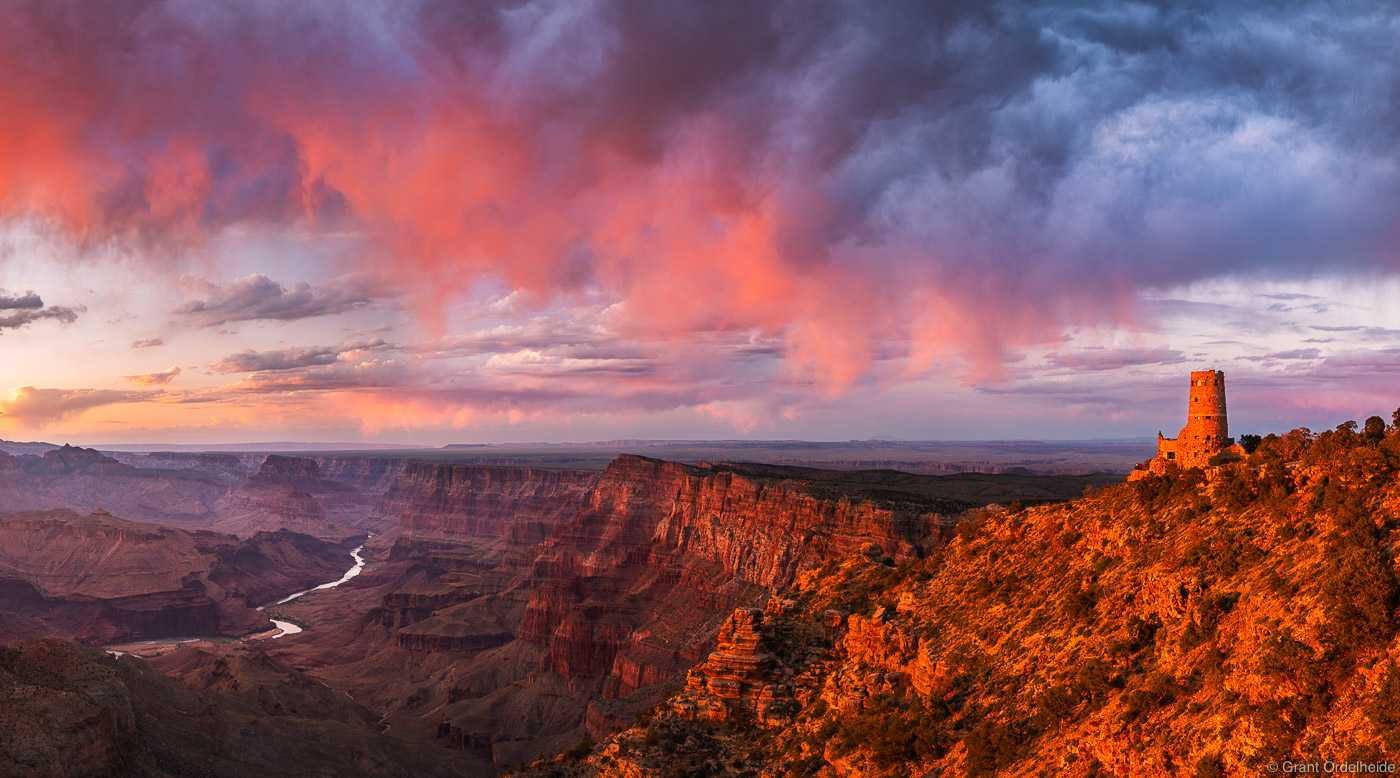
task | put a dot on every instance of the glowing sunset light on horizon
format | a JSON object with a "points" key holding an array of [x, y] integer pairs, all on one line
{"points": [[433, 222]]}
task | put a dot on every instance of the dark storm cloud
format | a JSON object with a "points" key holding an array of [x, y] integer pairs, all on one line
{"points": [[249, 361], [28, 300], [21, 310], [257, 297]]}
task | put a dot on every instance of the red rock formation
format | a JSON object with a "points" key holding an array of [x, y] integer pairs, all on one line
{"points": [[62, 716], [741, 676], [462, 501], [70, 458], [691, 543], [263, 683]]}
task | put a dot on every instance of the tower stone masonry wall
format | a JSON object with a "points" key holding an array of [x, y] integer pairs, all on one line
{"points": [[1206, 430]]}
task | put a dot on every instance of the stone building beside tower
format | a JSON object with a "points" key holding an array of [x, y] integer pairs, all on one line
{"points": [[1206, 434]]}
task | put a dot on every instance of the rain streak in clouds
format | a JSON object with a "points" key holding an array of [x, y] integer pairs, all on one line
{"points": [[858, 192]]}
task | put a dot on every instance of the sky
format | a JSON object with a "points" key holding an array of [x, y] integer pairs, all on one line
{"points": [[544, 220]]}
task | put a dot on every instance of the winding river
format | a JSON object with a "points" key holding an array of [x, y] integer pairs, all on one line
{"points": [[287, 627], [284, 627]]}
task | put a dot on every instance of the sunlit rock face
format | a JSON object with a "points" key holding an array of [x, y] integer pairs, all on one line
{"points": [[464, 501]]}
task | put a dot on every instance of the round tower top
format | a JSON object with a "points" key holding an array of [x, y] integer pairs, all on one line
{"points": [[1207, 378]]}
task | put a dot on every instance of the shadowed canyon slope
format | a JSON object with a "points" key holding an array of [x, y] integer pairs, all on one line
{"points": [[78, 713]]}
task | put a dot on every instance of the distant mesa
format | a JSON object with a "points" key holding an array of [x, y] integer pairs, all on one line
{"points": [[1206, 435], [276, 465], [32, 447], [225, 464], [68, 459]]}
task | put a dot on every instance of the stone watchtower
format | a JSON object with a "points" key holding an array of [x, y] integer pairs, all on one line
{"points": [[1205, 413], [1206, 433]]}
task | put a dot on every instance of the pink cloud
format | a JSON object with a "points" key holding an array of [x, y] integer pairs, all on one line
{"points": [[29, 408], [155, 379]]}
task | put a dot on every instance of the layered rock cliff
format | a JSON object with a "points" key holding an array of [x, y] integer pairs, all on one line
{"points": [[567, 599], [204, 490], [373, 474], [630, 590], [466, 502]]}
